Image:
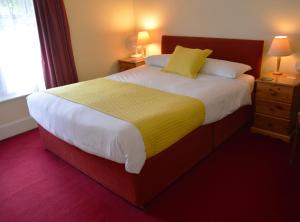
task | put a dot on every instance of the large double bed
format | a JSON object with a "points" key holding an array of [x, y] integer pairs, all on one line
{"points": [[111, 150]]}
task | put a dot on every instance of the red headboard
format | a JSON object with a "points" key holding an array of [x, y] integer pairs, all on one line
{"points": [[237, 50]]}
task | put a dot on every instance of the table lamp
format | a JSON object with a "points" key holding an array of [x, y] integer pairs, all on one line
{"points": [[280, 47], [143, 39]]}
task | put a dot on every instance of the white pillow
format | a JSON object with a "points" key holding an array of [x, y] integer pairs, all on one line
{"points": [[224, 68], [212, 66], [158, 60]]}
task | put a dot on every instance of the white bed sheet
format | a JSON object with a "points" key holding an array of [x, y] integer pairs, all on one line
{"points": [[120, 141]]}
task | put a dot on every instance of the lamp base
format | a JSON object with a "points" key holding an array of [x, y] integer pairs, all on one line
{"points": [[277, 73], [278, 66], [136, 55], [144, 51]]}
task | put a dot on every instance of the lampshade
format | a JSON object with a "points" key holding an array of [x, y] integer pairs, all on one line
{"points": [[280, 46], [143, 38]]}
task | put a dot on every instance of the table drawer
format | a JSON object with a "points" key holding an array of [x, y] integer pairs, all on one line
{"points": [[129, 65], [276, 109], [125, 66], [272, 124], [274, 92]]}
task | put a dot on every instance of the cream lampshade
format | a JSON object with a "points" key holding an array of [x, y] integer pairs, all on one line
{"points": [[280, 47], [143, 39]]}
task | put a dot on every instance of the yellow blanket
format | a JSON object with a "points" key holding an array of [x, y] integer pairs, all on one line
{"points": [[162, 118]]}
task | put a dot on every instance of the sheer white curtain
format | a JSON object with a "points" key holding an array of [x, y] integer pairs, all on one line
{"points": [[20, 58]]}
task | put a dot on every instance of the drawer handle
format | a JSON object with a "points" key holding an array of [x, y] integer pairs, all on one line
{"points": [[273, 93], [270, 125]]}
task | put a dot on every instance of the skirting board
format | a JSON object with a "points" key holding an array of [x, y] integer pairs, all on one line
{"points": [[16, 127]]}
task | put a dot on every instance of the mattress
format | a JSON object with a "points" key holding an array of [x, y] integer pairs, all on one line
{"points": [[120, 141]]}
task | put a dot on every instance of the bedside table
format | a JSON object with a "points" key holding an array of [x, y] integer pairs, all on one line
{"points": [[129, 63], [277, 103]]}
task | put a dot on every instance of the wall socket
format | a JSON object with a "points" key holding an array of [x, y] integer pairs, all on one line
{"points": [[298, 66]]}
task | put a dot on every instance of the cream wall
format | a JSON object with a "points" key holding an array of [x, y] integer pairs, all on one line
{"points": [[100, 31], [247, 19], [14, 117]]}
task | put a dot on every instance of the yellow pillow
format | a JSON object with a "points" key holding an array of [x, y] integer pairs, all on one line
{"points": [[186, 61]]}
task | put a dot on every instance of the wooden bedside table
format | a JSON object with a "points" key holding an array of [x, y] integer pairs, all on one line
{"points": [[277, 103], [129, 63]]}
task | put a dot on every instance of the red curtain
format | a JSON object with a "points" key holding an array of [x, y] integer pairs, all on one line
{"points": [[57, 55]]}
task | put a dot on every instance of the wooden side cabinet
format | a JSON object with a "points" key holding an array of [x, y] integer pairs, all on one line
{"points": [[129, 63], [277, 102]]}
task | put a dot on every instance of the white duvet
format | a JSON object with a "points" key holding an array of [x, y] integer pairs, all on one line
{"points": [[120, 141]]}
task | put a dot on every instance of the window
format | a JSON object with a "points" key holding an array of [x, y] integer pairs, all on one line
{"points": [[20, 58]]}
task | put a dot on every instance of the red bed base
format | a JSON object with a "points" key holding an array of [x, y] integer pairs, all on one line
{"points": [[161, 170], [158, 171]]}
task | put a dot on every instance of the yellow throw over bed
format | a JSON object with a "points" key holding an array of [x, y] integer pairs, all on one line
{"points": [[162, 118]]}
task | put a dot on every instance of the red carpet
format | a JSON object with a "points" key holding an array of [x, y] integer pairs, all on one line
{"points": [[246, 179]]}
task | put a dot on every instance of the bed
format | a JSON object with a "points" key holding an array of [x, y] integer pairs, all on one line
{"points": [[162, 169]]}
